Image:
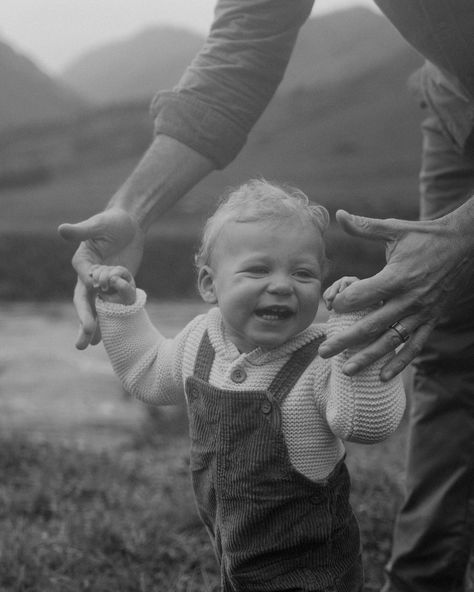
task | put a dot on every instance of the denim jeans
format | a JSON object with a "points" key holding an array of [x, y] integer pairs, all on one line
{"points": [[434, 532]]}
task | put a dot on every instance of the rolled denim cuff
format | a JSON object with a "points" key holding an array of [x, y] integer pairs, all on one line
{"points": [[198, 126]]}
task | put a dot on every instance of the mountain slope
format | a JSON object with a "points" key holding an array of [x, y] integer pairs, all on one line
{"points": [[330, 48], [347, 140], [339, 46], [135, 68], [28, 95]]}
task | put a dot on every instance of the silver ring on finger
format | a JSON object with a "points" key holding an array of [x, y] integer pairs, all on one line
{"points": [[401, 331]]}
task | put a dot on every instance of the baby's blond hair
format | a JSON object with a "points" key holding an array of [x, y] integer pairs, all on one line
{"points": [[260, 200]]}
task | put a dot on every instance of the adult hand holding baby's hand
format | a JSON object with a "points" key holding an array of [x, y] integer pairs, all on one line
{"points": [[114, 284], [112, 236], [429, 264], [336, 288]]}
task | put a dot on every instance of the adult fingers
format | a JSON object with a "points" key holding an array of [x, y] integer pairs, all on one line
{"points": [[83, 230], [368, 292], [112, 278], [407, 353], [370, 327], [88, 331], [376, 228], [83, 260], [387, 343]]}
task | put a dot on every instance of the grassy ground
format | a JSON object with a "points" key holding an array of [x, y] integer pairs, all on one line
{"points": [[95, 494]]}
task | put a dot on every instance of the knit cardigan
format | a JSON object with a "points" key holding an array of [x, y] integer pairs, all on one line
{"points": [[324, 408]]}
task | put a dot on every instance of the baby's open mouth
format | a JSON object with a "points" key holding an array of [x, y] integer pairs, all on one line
{"points": [[274, 313]]}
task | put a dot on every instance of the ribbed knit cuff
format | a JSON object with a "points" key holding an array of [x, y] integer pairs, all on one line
{"points": [[114, 309]]}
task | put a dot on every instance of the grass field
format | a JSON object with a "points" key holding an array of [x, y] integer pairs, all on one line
{"points": [[95, 492]]}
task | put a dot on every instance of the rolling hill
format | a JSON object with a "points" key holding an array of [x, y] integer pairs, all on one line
{"points": [[134, 68], [337, 47], [331, 48], [343, 127], [29, 96]]}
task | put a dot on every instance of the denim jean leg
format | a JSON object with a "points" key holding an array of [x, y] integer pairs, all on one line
{"points": [[434, 533]]}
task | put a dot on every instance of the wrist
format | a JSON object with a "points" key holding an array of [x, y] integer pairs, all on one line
{"points": [[118, 309], [167, 171], [461, 222]]}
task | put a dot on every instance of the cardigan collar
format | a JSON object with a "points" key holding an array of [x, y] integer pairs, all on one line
{"points": [[225, 349]]}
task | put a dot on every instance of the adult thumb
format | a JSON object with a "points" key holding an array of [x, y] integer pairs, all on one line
{"points": [[80, 231], [371, 228]]}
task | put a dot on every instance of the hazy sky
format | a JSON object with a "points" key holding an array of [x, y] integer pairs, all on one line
{"points": [[52, 32]]}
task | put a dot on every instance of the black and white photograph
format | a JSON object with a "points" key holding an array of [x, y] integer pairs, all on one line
{"points": [[236, 296]]}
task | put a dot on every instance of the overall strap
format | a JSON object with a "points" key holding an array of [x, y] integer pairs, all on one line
{"points": [[204, 359], [289, 374]]}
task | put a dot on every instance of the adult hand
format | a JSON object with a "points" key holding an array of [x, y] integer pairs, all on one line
{"points": [[111, 237], [428, 264]]}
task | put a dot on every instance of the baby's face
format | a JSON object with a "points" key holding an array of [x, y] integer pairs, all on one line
{"points": [[266, 280]]}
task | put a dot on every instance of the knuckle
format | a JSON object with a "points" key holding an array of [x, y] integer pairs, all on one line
{"points": [[393, 339], [420, 303], [372, 330], [416, 350], [406, 355], [363, 223]]}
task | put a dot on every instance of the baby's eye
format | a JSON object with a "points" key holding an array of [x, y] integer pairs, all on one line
{"points": [[305, 274], [257, 270]]}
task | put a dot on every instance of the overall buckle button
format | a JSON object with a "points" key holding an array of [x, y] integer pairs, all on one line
{"points": [[238, 375], [192, 392], [266, 407]]}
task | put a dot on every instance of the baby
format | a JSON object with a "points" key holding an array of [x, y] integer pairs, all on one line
{"points": [[267, 415]]}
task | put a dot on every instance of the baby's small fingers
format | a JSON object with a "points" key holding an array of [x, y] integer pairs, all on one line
{"points": [[124, 289], [104, 276], [121, 278], [328, 302], [120, 271], [346, 281], [330, 293]]}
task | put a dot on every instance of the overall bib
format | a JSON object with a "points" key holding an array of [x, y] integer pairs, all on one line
{"points": [[272, 528]]}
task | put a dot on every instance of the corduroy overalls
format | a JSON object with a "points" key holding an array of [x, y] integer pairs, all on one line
{"points": [[272, 528]]}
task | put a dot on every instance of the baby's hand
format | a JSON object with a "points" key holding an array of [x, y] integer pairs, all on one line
{"points": [[338, 286], [114, 284]]}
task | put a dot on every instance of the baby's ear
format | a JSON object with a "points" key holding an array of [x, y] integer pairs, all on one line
{"points": [[206, 285]]}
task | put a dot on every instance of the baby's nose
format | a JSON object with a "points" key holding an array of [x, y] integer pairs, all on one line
{"points": [[280, 284]]}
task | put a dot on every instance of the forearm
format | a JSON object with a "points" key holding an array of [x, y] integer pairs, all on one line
{"points": [[167, 171], [140, 356], [203, 123]]}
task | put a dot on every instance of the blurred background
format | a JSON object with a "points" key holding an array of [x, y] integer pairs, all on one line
{"points": [[76, 81], [343, 127]]}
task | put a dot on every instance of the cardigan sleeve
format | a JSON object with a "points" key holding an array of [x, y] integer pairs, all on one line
{"points": [[148, 364], [361, 408]]}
